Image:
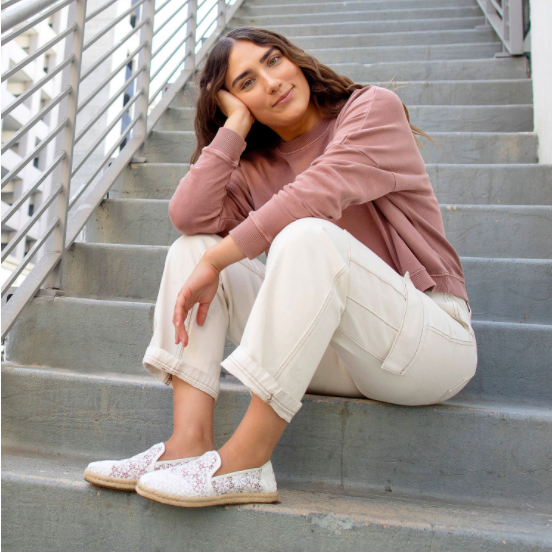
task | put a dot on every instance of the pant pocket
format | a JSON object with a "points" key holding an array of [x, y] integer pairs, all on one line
{"points": [[408, 343]]}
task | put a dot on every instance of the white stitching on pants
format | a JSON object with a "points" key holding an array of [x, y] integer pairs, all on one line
{"points": [[450, 338], [360, 345], [293, 352], [375, 315]]}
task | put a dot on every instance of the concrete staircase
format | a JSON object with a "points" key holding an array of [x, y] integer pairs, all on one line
{"points": [[472, 473]]}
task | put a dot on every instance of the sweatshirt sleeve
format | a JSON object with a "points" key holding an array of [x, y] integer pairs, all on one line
{"points": [[213, 197], [372, 139]]}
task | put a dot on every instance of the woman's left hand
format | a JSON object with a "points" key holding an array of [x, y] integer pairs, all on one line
{"points": [[201, 287]]}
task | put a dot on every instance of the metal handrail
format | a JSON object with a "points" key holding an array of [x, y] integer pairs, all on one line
{"points": [[506, 18], [66, 216]]}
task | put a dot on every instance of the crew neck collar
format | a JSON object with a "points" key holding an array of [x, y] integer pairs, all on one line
{"points": [[305, 139]]}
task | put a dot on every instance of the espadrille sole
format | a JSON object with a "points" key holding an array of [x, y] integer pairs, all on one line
{"points": [[225, 499], [110, 481]]}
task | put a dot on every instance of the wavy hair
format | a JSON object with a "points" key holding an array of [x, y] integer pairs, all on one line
{"points": [[329, 90]]}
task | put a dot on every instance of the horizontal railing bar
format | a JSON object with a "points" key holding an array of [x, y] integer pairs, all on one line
{"points": [[7, 3], [99, 10], [40, 51], [15, 171], [203, 18], [37, 86], [109, 103], [94, 198], [168, 40], [25, 228], [110, 76], [111, 50], [106, 131], [22, 12], [170, 57], [152, 98], [34, 22], [27, 290], [36, 246], [118, 19], [169, 19], [47, 108], [105, 160], [497, 7], [166, 4], [21, 200]]}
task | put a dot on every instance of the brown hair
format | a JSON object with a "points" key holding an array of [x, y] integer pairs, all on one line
{"points": [[329, 90]]}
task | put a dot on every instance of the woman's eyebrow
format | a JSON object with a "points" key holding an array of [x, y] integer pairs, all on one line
{"points": [[247, 71]]}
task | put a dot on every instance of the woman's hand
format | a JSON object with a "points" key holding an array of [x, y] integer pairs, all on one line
{"points": [[201, 287], [229, 104]]}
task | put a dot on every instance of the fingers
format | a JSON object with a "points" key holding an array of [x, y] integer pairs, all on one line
{"points": [[202, 313], [180, 314]]}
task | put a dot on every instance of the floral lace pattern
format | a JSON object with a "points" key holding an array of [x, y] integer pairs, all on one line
{"points": [[195, 479], [245, 482], [136, 466]]}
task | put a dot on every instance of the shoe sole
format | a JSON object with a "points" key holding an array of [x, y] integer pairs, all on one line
{"points": [[226, 499], [110, 481]]}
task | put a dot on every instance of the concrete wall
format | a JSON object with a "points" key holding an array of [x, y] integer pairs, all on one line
{"points": [[541, 70]]}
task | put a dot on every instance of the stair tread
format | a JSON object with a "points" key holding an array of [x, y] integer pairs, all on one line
{"points": [[350, 509], [496, 406]]}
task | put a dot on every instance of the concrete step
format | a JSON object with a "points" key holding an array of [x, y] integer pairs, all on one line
{"points": [[513, 290], [326, 28], [461, 455], [454, 147], [301, 521], [453, 183], [432, 93], [481, 147], [346, 16], [112, 336], [407, 4], [510, 231], [436, 118], [436, 70], [412, 53], [260, 8], [509, 118], [425, 37]]}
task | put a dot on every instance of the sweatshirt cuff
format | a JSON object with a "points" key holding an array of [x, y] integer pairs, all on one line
{"points": [[249, 238], [228, 142]]}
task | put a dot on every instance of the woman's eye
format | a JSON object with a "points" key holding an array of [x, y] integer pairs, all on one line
{"points": [[274, 58]]}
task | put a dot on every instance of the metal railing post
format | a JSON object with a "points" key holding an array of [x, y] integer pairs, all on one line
{"points": [[189, 63], [66, 139], [147, 11], [221, 18]]}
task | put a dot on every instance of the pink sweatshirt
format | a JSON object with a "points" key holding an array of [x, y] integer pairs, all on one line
{"points": [[360, 169]]}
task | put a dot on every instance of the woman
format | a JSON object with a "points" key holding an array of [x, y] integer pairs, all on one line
{"points": [[361, 296]]}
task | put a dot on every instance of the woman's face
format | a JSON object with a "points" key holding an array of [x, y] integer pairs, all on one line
{"points": [[259, 76]]}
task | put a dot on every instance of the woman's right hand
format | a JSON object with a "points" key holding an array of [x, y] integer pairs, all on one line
{"points": [[229, 104]]}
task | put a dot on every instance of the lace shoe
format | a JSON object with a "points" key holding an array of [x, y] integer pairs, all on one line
{"points": [[124, 474], [193, 484]]}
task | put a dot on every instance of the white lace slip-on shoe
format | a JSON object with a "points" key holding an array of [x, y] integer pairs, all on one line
{"points": [[123, 475], [193, 484]]}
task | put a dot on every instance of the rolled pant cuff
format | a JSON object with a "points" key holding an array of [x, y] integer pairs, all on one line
{"points": [[240, 364], [160, 362]]}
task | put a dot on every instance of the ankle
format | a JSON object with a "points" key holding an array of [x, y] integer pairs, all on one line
{"points": [[234, 461], [177, 447]]}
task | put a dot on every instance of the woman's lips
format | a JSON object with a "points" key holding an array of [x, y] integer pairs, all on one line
{"points": [[285, 99]]}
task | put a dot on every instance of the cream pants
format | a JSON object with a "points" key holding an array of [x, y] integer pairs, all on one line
{"points": [[325, 315]]}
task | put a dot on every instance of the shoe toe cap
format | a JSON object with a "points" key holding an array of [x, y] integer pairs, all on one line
{"points": [[101, 468], [168, 481]]}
